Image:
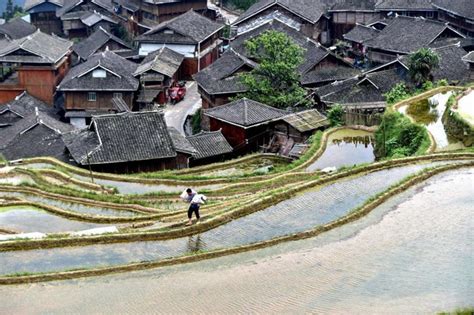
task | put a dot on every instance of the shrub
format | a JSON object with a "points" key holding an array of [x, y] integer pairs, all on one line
{"points": [[336, 116], [398, 93]]}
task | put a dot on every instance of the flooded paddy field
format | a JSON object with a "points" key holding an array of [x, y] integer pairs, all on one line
{"points": [[29, 219], [413, 254], [347, 147], [307, 210], [429, 112]]}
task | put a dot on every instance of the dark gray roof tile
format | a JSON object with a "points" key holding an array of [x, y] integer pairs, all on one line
{"points": [[17, 28], [93, 43], [209, 144], [463, 8], [361, 33]]}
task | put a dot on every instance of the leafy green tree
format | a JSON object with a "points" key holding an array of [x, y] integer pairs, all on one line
{"points": [[421, 64], [275, 81], [336, 115], [12, 11]]}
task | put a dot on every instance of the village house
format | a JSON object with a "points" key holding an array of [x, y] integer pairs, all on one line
{"points": [[26, 121], [405, 35], [35, 63], [157, 72], [291, 132], [126, 143], [210, 146], [246, 124], [16, 29], [90, 87], [43, 15], [101, 40], [219, 82], [145, 14], [346, 14], [459, 14], [81, 18], [190, 34], [308, 17]]}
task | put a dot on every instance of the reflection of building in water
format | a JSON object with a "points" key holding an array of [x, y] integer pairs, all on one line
{"points": [[366, 141], [195, 244]]}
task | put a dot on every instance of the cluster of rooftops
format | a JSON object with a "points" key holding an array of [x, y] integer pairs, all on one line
{"points": [[110, 84]]}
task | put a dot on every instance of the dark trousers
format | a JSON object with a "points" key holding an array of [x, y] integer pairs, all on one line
{"points": [[194, 207]]}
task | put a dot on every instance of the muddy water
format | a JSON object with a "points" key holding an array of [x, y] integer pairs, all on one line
{"points": [[346, 147], [429, 112], [413, 254], [29, 219], [312, 208], [466, 107]]}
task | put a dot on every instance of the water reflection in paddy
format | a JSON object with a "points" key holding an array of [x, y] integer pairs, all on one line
{"points": [[346, 147], [29, 219], [298, 214]]}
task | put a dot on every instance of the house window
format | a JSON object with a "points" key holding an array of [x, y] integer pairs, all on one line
{"points": [[92, 97], [117, 95], [99, 73]]}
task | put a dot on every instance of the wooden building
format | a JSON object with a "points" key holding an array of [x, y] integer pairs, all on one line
{"points": [[210, 147], [469, 58], [90, 87], [346, 14], [413, 8], [246, 124], [43, 15], [190, 34], [308, 17], [156, 73], [35, 63], [458, 13], [126, 143], [16, 29]]}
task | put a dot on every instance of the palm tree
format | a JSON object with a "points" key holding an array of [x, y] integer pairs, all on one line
{"points": [[421, 64]]}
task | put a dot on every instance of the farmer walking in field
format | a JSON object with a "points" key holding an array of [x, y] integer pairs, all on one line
{"points": [[195, 200]]}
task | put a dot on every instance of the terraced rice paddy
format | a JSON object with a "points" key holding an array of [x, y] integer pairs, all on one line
{"points": [[412, 254], [309, 209]]}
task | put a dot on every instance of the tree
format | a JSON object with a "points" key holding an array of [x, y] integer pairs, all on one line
{"points": [[275, 80], [12, 11], [421, 64]]}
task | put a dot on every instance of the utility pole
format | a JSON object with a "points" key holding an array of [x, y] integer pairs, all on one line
{"points": [[90, 168]]}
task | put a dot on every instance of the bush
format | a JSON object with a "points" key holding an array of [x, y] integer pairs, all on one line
{"points": [[398, 93], [336, 116], [398, 137]]}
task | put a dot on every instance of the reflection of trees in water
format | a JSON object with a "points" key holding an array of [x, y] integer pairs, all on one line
{"points": [[366, 141], [195, 244]]}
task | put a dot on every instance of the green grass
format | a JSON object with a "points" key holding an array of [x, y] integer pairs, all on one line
{"points": [[460, 311]]}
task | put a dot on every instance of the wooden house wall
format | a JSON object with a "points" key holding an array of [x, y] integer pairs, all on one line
{"points": [[75, 100], [343, 22], [166, 11], [137, 166], [9, 92], [458, 22], [47, 22], [235, 135]]}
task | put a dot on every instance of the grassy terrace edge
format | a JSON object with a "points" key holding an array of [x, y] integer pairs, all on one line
{"points": [[354, 215]]}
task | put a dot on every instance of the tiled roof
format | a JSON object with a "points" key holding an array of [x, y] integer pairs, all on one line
{"points": [[221, 76], [68, 5], [92, 18], [164, 61], [308, 9], [354, 5], [463, 8], [190, 27], [407, 34], [25, 105], [33, 3], [17, 28], [9, 135], [307, 120], [119, 74], [245, 113], [359, 91], [124, 137], [328, 74], [361, 33], [405, 5], [94, 42], [209, 144], [181, 144], [46, 49]]}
